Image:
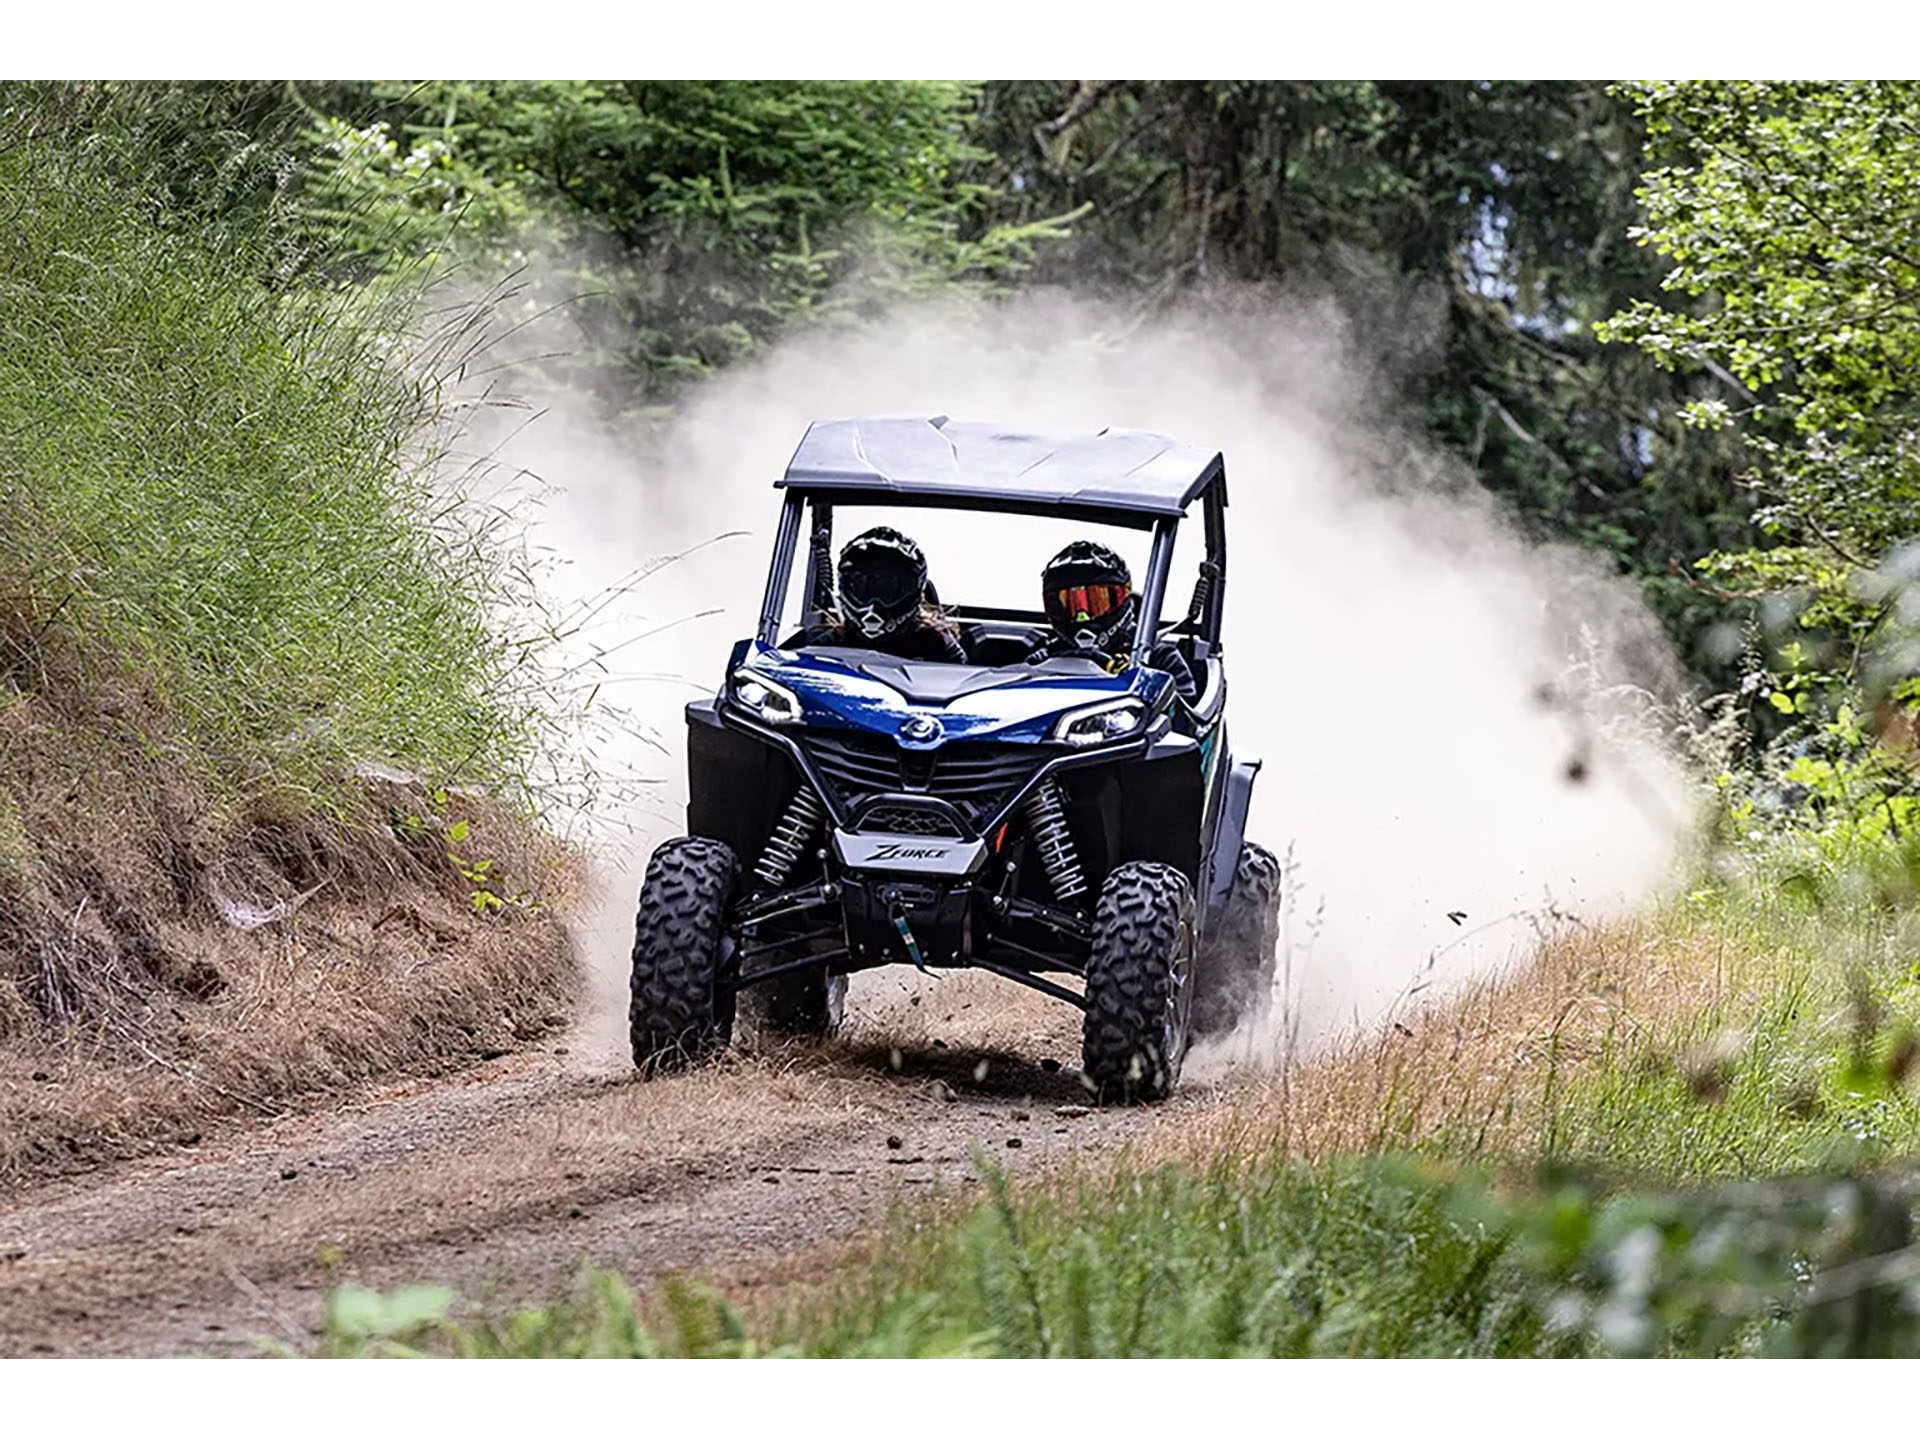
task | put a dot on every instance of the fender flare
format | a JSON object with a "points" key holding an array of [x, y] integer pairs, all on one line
{"points": [[1228, 838]]}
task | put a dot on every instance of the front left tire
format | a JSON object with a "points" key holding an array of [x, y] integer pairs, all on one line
{"points": [[680, 1010]]}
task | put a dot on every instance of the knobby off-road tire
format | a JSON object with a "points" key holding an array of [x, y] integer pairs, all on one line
{"points": [[1139, 983], [803, 1002], [1233, 977], [679, 1010]]}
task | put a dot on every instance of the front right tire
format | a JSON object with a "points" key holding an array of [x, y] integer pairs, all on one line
{"points": [[680, 1008], [1139, 983]]}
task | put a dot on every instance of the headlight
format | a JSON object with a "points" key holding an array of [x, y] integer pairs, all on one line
{"points": [[1097, 724], [772, 703]]}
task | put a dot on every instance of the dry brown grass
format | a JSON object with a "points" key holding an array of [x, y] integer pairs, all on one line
{"points": [[1476, 1069], [163, 965]]}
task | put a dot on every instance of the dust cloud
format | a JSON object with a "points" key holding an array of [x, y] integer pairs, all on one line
{"points": [[1454, 748]]}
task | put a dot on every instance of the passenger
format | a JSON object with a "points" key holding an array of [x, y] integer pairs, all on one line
{"points": [[884, 603], [1087, 592]]}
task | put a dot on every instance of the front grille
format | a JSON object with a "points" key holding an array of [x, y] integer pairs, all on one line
{"points": [[975, 778], [892, 819], [854, 765]]}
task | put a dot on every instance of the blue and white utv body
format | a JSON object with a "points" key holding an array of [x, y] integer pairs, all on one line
{"points": [[1072, 826]]}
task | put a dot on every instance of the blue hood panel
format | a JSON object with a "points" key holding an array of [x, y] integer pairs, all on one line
{"points": [[1022, 708]]}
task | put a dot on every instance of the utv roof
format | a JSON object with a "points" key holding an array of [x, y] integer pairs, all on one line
{"points": [[1123, 477]]}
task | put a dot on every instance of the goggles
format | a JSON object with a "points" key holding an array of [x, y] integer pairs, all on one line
{"points": [[888, 585], [1083, 604]]}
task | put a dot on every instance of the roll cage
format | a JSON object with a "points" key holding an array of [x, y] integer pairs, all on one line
{"points": [[807, 517], [1132, 478]]}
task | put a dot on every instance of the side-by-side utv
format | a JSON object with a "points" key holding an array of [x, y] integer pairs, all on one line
{"points": [[1067, 821]]}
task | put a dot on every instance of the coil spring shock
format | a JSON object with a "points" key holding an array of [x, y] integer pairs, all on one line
{"points": [[1047, 815], [789, 839]]}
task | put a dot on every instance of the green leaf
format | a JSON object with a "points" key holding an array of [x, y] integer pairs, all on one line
{"points": [[358, 1313]]}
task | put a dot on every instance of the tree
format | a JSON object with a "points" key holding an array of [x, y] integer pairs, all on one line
{"points": [[1507, 203], [696, 218], [1796, 208], [1473, 231]]}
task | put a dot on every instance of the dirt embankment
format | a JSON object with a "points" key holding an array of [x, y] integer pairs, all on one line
{"points": [[167, 965]]}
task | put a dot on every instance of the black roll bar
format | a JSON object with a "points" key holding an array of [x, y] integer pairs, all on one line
{"points": [[785, 543], [1159, 561]]}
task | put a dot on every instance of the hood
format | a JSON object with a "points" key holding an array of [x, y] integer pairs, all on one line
{"points": [[861, 690]]}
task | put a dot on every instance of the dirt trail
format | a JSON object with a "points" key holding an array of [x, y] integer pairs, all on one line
{"points": [[504, 1181]]}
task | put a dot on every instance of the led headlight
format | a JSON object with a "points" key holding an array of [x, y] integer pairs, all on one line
{"points": [[772, 703], [1098, 724]]}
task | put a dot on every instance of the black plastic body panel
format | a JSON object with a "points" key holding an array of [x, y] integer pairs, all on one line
{"points": [[736, 783], [1235, 803], [936, 913], [1160, 808]]}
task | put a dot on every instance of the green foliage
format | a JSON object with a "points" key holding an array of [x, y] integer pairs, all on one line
{"points": [[1785, 1075], [362, 1322], [379, 204], [1336, 1260], [478, 873], [216, 483], [690, 1322], [1473, 231], [688, 221], [1798, 1268], [1796, 208], [1382, 1257]]}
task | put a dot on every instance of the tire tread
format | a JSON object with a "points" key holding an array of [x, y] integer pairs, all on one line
{"points": [[1233, 977], [675, 1013], [1143, 919]]}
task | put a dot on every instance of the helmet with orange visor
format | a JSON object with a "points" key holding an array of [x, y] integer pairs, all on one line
{"points": [[1088, 596]]}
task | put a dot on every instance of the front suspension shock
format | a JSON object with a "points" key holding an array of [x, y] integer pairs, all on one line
{"points": [[1047, 816], [789, 839]]}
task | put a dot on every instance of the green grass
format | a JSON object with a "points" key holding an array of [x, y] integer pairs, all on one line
{"points": [[1720, 1113], [1295, 1261], [1355, 1257], [212, 495], [1796, 1060]]}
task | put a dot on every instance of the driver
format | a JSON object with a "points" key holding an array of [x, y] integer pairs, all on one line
{"points": [[1087, 592], [884, 603]]}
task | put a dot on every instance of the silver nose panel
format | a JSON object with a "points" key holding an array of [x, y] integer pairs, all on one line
{"points": [[909, 854]]}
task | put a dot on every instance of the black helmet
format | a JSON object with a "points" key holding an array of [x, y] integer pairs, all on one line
{"points": [[883, 581], [1087, 591]]}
